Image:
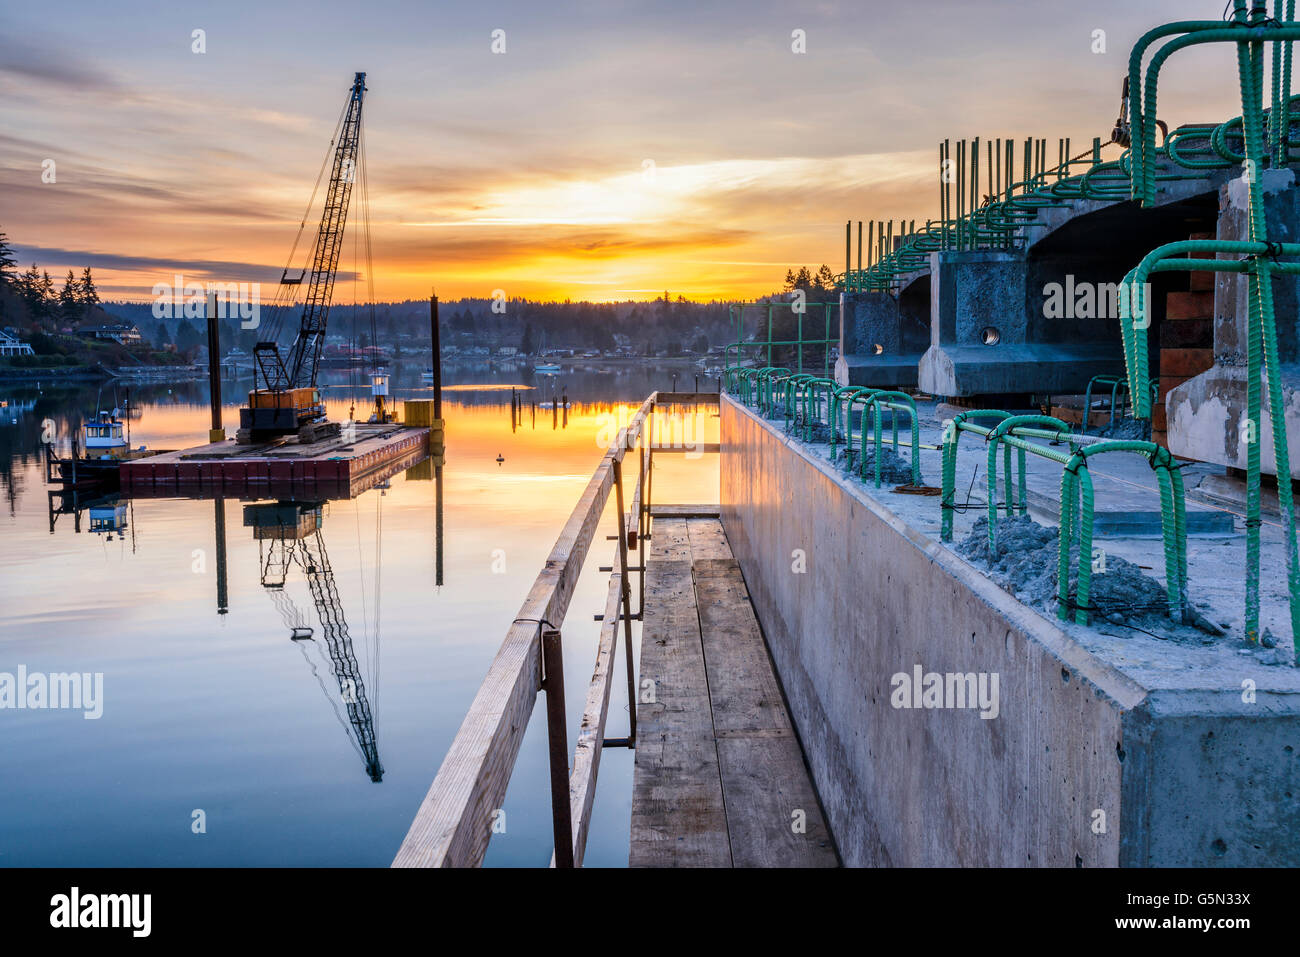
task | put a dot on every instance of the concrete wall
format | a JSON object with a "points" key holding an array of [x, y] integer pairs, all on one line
{"points": [[1184, 776]]}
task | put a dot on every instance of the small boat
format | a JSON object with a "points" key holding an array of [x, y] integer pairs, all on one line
{"points": [[103, 436], [544, 367], [107, 518], [106, 448], [427, 376]]}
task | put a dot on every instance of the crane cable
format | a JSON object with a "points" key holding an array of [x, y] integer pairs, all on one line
{"points": [[364, 171], [282, 298]]}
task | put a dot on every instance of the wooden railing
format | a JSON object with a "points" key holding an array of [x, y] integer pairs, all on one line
{"points": [[454, 822]]}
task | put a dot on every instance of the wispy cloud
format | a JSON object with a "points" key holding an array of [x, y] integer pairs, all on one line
{"points": [[50, 64]]}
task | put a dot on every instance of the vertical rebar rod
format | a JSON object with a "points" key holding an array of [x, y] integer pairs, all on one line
{"points": [[1011, 163], [988, 176], [942, 188], [945, 168], [996, 191], [961, 191], [848, 243]]}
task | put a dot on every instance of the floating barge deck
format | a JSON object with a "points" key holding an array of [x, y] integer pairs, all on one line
{"points": [[331, 467]]}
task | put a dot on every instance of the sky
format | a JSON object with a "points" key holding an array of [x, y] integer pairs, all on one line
{"points": [[613, 151]]}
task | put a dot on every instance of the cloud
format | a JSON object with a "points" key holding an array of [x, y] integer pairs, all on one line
{"points": [[197, 269], [48, 64]]}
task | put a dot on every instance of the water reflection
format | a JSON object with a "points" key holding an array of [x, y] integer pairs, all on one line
{"points": [[289, 534], [211, 704]]}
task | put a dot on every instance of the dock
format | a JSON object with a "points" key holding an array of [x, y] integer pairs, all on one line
{"points": [[340, 466], [720, 778]]}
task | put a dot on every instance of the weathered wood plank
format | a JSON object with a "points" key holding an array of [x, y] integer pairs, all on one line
{"points": [[769, 794], [678, 811], [454, 821], [707, 539], [743, 690], [591, 733], [773, 817], [696, 448], [669, 542], [687, 398], [685, 511]]}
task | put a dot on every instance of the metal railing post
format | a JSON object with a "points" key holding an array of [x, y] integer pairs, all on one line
{"points": [[626, 590], [642, 521], [557, 736]]}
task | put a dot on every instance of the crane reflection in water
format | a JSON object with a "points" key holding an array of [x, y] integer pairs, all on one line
{"points": [[289, 534], [291, 541]]}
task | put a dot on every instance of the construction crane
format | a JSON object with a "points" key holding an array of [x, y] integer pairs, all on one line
{"points": [[291, 531], [285, 399]]}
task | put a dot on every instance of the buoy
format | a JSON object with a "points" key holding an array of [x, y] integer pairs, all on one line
{"points": [[500, 458]]}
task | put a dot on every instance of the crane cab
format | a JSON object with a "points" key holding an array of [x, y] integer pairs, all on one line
{"points": [[275, 412]]}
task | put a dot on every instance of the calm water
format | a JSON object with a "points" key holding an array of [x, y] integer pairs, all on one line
{"points": [[222, 712]]}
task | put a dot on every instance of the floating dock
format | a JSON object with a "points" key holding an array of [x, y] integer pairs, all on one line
{"points": [[341, 466]]}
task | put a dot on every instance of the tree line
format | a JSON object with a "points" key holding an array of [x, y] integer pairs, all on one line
{"points": [[822, 282], [38, 291]]}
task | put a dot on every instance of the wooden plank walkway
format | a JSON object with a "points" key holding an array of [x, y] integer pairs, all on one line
{"points": [[720, 779]]}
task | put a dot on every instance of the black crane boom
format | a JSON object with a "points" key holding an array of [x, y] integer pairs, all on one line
{"points": [[283, 398]]}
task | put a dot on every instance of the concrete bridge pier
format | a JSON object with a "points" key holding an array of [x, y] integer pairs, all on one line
{"points": [[882, 335], [984, 341], [1207, 415]]}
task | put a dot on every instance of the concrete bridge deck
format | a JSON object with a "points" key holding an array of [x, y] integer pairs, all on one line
{"points": [[720, 778]]}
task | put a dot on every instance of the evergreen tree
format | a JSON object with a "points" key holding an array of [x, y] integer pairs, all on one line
{"points": [[7, 261], [187, 337], [69, 307], [28, 285], [44, 299], [89, 294], [825, 278]]}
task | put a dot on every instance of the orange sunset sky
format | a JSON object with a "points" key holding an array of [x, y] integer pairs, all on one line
{"points": [[527, 170]]}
